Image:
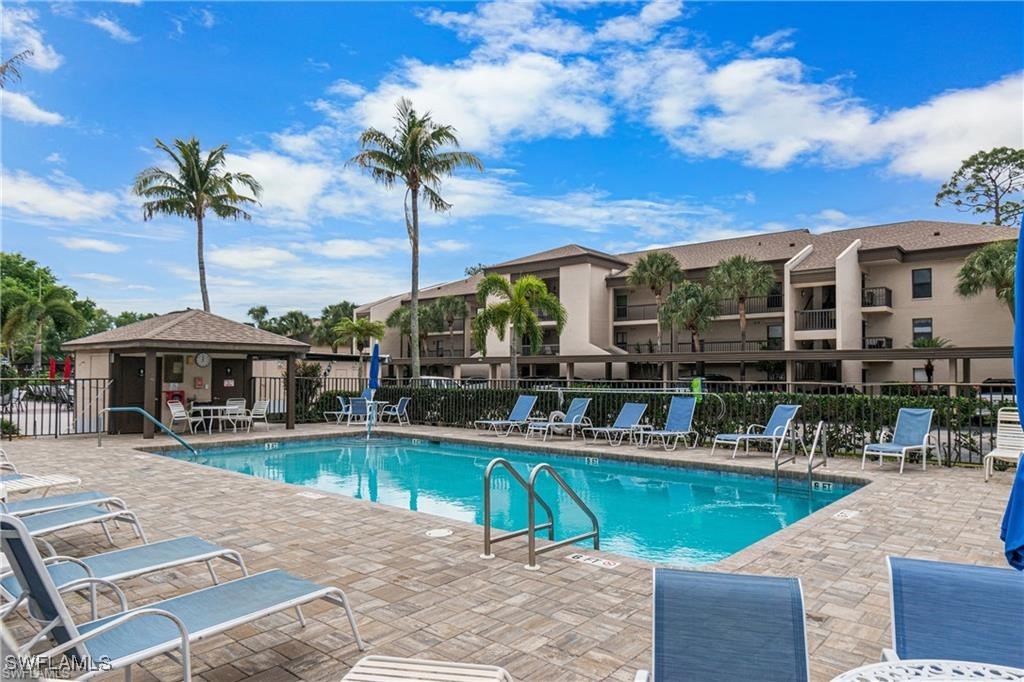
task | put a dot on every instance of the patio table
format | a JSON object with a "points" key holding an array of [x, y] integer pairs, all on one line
{"points": [[921, 669], [209, 413]]}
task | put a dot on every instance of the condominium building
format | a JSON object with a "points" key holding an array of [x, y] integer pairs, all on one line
{"points": [[878, 287]]}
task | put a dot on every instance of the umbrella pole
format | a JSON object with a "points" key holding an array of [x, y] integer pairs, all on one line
{"points": [[371, 413]]}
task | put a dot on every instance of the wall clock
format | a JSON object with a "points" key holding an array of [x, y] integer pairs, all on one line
{"points": [[202, 359]]}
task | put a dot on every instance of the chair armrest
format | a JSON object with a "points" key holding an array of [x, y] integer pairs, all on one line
{"points": [[750, 429], [642, 676], [889, 655], [8, 466], [70, 559], [76, 585], [131, 615]]}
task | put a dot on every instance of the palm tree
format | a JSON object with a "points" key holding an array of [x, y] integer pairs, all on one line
{"points": [[658, 271], [931, 342], [430, 321], [741, 277], [33, 311], [990, 267], [451, 308], [692, 307], [258, 314], [415, 156], [294, 324], [330, 316], [515, 311], [9, 71], [195, 184], [359, 331]]}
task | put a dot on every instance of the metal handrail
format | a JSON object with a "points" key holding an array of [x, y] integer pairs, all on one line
{"points": [[147, 415], [488, 540], [532, 492], [819, 434]]}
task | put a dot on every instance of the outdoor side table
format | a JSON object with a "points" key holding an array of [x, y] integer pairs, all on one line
{"points": [[893, 671]]}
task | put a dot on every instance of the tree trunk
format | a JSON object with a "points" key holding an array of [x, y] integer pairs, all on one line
{"points": [[202, 262], [414, 294], [513, 355], [741, 308], [37, 348], [657, 318], [697, 346]]}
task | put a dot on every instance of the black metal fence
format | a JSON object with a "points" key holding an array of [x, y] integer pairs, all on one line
{"points": [[44, 407]]}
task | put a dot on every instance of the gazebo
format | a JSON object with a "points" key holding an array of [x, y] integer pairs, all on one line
{"points": [[189, 355]]}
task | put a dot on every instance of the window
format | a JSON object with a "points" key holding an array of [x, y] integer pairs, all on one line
{"points": [[620, 340], [922, 328], [920, 375], [621, 306], [774, 337], [922, 282]]}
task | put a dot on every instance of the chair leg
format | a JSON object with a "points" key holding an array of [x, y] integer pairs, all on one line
{"points": [[213, 573]]}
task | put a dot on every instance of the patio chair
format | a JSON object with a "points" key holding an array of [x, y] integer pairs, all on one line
{"points": [[956, 612], [625, 424], [258, 413], [125, 564], [180, 414], [1009, 440], [391, 668], [774, 432], [575, 419], [913, 426], [678, 424], [357, 410], [517, 417], [399, 411], [727, 626], [235, 413], [112, 510], [163, 627], [339, 414], [367, 394], [38, 505]]}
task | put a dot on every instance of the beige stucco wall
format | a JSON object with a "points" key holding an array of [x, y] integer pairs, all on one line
{"points": [[92, 365], [849, 334]]}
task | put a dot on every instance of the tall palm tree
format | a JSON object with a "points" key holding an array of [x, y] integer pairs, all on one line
{"points": [[414, 155], [9, 71], [258, 314], [741, 277], [658, 271], [330, 316], [932, 342], [515, 312], [451, 308], [359, 330], [693, 307], [32, 311], [196, 183], [990, 267], [430, 321], [294, 324]]}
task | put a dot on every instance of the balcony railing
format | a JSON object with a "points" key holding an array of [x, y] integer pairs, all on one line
{"points": [[545, 349], [877, 342], [772, 303], [443, 353], [643, 311], [645, 347], [876, 297], [751, 346], [807, 320]]}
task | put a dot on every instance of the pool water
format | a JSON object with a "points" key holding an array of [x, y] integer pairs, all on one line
{"points": [[672, 515]]}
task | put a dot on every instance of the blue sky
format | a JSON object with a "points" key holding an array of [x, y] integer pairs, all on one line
{"points": [[615, 125]]}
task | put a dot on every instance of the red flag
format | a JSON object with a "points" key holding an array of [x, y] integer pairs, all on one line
{"points": [[53, 367], [67, 368]]}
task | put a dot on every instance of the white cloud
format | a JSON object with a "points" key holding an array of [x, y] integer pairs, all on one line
{"points": [[18, 31], [36, 198], [641, 27], [779, 41], [447, 246], [344, 88], [111, 27], [21, 108], [206, 18], [97, 277], [290, 187], [503, 26], [319, 67], [86, 244], [54, 158], [246, 257]]}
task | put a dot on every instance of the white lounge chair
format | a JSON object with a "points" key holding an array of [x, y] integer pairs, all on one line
{"points": [[371, 668], [13, 481], [1009, 440], [180, 414]]}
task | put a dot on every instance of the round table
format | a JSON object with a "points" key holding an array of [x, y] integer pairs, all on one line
{"points": [[893, 671]]}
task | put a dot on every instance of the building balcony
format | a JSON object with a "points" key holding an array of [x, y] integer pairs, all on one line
{"points": [[876, 297], [645, 347], [750, 346], [545, 349], [443, 353], [877, 342], [644, 311], [814, 320], [772, 303]]}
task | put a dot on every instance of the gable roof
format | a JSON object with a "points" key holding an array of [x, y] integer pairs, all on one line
{"points": [[559, 252], [193, 329]]}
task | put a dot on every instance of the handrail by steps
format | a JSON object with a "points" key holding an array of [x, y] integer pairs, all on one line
{"points": [[488, 540], [812, 464], [138, 410], [532, 539]]}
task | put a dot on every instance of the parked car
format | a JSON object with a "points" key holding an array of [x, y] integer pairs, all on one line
{"points": [[435, 382], [996, 390]]}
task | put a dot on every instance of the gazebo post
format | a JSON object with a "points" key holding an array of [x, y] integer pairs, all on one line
{"points": [[149, 392], [290, 380]]}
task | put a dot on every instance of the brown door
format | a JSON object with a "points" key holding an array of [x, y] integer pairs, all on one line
{"points": [[228, 380], [132, 382]]}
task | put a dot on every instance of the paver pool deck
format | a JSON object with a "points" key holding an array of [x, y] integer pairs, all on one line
{"points": [[435, 598]]}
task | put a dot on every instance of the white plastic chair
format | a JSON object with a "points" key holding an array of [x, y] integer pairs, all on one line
{"points": [[1009, 440], [235, 413], [258, 413], [180, 414]]}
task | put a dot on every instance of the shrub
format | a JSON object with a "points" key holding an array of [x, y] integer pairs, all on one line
{"points": [[8, 428]]}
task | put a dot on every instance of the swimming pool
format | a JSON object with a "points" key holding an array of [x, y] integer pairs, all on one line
{"points": [[672, 515]]}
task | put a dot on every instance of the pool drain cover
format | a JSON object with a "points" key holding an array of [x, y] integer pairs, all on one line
{"points": [[845, 514], [438, 532]]}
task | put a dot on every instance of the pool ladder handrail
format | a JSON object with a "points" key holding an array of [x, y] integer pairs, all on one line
{"points": [[819, 435], [156, 422], [594, 533], [488, 540]]}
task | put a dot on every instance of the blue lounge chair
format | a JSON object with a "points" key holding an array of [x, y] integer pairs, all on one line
{"points": [[727, 626], [625, 424], [124, 564], [517, 418], [956, 612], [134, 635], [357, 410], [400, 411], [678, 424], [48, 522], [38, 505], [913, 424], [774, 432], [575, 419]]}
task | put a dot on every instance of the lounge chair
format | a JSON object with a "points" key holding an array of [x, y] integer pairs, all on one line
{"points": [[1009, 440], [124, 564], [727, 626], [517, 418], [163, 627], [913, 426], [14, 481], [625, 424], [575, 419], [956, 612], [774, 432], [678, 424], [391, 668], [357, 410], [339, 414], [38, 505], [48, 522], [180, 414], [400, 411]]}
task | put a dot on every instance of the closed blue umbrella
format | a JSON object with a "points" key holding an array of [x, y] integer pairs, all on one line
{"points": [[1012, 530], [373, 385]]}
